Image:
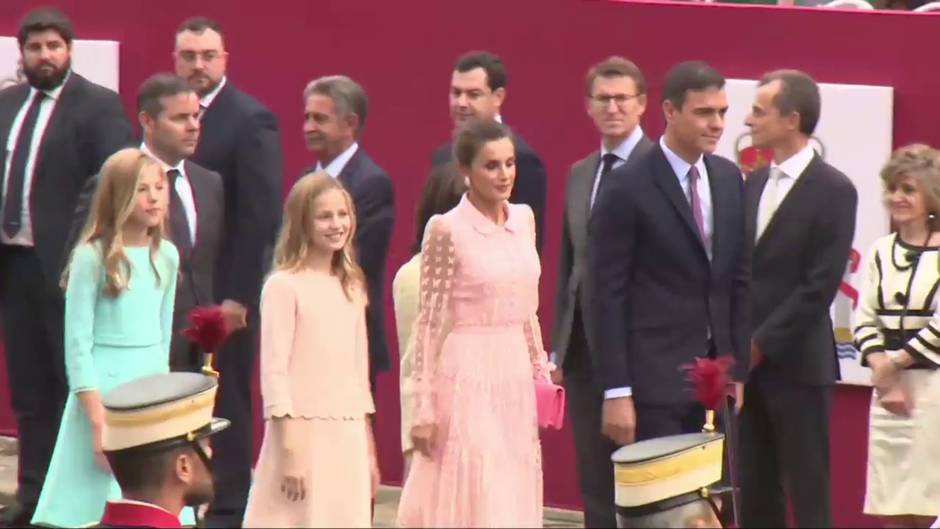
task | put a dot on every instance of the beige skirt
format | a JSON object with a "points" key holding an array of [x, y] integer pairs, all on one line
{"points": [[904, 452], [338, 482]]}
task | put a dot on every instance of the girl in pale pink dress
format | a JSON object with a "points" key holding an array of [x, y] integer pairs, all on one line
{"points": [[317, 466], [478, 349]]}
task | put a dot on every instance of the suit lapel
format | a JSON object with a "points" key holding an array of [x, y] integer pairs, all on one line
{"points": [[801, 187], [720, 211], [350, 170], [199, 197], [757, 182], [61, 112], [667, 181], [6, 121], [580, 198]]}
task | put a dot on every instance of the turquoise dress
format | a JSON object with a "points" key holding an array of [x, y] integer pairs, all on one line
{"points": [[108, 341]]}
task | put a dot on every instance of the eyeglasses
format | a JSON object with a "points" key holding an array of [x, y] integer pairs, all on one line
{"points": [[619, 99], [190, 55]]}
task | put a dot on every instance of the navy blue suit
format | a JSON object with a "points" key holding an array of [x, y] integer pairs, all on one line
{"points": [[657, 300]]}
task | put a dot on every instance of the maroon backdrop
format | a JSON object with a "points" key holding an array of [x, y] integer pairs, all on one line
{"points": [[402, 52]]}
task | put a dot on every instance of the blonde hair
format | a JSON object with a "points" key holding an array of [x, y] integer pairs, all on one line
{"points": [[921, 163], [293, 242], [112, 206]]}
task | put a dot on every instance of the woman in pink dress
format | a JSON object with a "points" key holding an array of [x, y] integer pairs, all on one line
{"points": [[478, 349]]}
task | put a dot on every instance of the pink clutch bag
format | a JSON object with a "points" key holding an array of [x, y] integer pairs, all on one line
{"points": [[550, 404]]}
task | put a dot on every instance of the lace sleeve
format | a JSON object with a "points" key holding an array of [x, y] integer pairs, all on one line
{"points": [[532, 328], [438, 265]]}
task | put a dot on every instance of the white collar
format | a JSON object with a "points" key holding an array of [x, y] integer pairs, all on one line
{"points": [[166, 167], [206, 100], [336, 167], [680, 166], [54, 93], [626, 147], [795, 165]]}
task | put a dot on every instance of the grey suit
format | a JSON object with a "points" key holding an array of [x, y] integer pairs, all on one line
{"points": [[197, 270], [570, 341]]}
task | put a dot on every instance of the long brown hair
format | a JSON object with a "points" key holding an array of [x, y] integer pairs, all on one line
{"points": [[113, 204], [293, 242]]}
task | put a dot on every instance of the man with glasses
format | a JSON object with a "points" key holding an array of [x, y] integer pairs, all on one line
{"points": [[615, 101], [477, 91], [240, 141]]}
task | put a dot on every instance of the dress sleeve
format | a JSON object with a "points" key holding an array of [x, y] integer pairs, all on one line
{"points": [[169, 284], [362, 356], [868, 335], [532, 328], [438, 267], [925, 345], [278, 321], [81, 297]]}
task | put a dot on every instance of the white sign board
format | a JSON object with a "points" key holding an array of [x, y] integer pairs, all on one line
{"points": [[853, 135], [96, 60]]}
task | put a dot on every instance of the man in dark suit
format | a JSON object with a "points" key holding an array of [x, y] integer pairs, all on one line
{"points": [[334, 117], [616, 100], [670, 267], [801, 216], [57, 130], [477, 91], [240, 141], [169, 118]]}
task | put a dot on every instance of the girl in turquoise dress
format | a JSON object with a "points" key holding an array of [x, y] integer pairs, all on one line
{"points": [[120, 287]]}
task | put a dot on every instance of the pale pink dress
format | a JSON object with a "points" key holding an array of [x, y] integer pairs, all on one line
{"points": [[478, 348]]}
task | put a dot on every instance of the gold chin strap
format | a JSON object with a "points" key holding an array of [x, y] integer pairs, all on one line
{"points": [[707, 496], [207, 368]]}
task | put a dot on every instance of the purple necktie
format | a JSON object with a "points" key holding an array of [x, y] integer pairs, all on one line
{"points": [[696, 202]]}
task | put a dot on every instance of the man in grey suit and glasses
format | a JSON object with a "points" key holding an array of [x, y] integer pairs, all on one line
{"points": [[616, 100]]}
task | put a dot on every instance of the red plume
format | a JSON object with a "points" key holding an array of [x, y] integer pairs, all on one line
{"points": [[207, 328], [710, 377]]}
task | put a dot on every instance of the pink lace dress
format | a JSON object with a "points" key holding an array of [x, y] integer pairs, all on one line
{"points": [[478, 348]]}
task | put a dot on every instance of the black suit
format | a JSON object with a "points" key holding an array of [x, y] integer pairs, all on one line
{"points": [[798, 263], [87, 125], [655, 295], [240, 141], [531, 183], [571, 345], [197, 268], [374, 200]]}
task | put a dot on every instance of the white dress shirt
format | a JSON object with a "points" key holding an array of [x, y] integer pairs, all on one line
{"points": [[622, 152], [335, 167], [25, 236], [783, 176], [681, 168], [183, 188], [206, 100]]}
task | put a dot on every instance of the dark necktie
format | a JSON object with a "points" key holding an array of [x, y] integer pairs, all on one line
{"points": [[13, 201], [179, 225], [607, 163]]}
